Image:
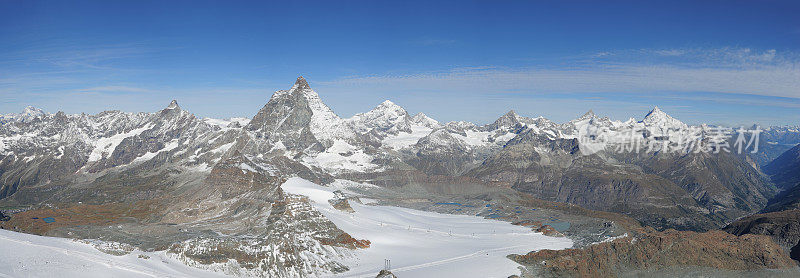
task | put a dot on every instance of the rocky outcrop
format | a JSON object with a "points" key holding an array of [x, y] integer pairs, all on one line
{"points": [[650, 250], [258, 229], [341, 202], [549, 231], [783, 227], [294, 241], [385, 274]]}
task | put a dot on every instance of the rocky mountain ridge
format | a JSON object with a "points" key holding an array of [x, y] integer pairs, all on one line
{"points": [[640, 162], [206, 184]]}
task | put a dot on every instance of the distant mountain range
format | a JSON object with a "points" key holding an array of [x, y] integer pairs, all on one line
{"points": [[533, 155], [173, 167]]}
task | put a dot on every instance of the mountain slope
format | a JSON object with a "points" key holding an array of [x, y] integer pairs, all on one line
{"points": [[171, 181], [785, 173], [785, 169]]}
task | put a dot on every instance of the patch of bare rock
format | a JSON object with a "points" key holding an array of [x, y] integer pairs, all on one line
{"points": [[651, 251]]}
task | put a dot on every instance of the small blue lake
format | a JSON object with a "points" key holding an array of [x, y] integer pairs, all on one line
{"points": [[49, 220]]}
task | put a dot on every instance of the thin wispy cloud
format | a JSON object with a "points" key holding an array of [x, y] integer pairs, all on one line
{"points": [[51, 69], [65, 55], [115, 89], [666, 77], [729, 70]]}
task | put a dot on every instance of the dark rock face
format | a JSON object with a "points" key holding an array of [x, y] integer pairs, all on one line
{"points": [[783, 227], [286, 118]]}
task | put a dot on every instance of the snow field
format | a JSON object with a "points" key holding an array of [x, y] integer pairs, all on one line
{"points": [[426, 244]]}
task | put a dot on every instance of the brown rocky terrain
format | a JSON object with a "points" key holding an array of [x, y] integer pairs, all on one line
{"points": [[690, 191], [68, 215], [651, 250], [783, 227]]}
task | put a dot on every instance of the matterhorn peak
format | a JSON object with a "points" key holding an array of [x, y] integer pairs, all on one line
{"points": [[173, 105], [301, 84], [314, 101]]}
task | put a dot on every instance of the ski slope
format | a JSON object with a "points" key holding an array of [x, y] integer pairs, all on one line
{"points": [[418, 243], [25, 255], [426, 244]]}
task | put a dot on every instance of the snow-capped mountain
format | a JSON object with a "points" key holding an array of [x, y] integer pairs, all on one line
{"points": [[224, 176], [656, 117], [383, 117]]}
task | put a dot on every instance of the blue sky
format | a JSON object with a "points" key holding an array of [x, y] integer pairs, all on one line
{"points": [[720, 62]]}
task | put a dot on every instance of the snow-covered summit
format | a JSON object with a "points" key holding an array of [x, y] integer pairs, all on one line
{"points": [[384, 116], [659, 118], [388, 104]]}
